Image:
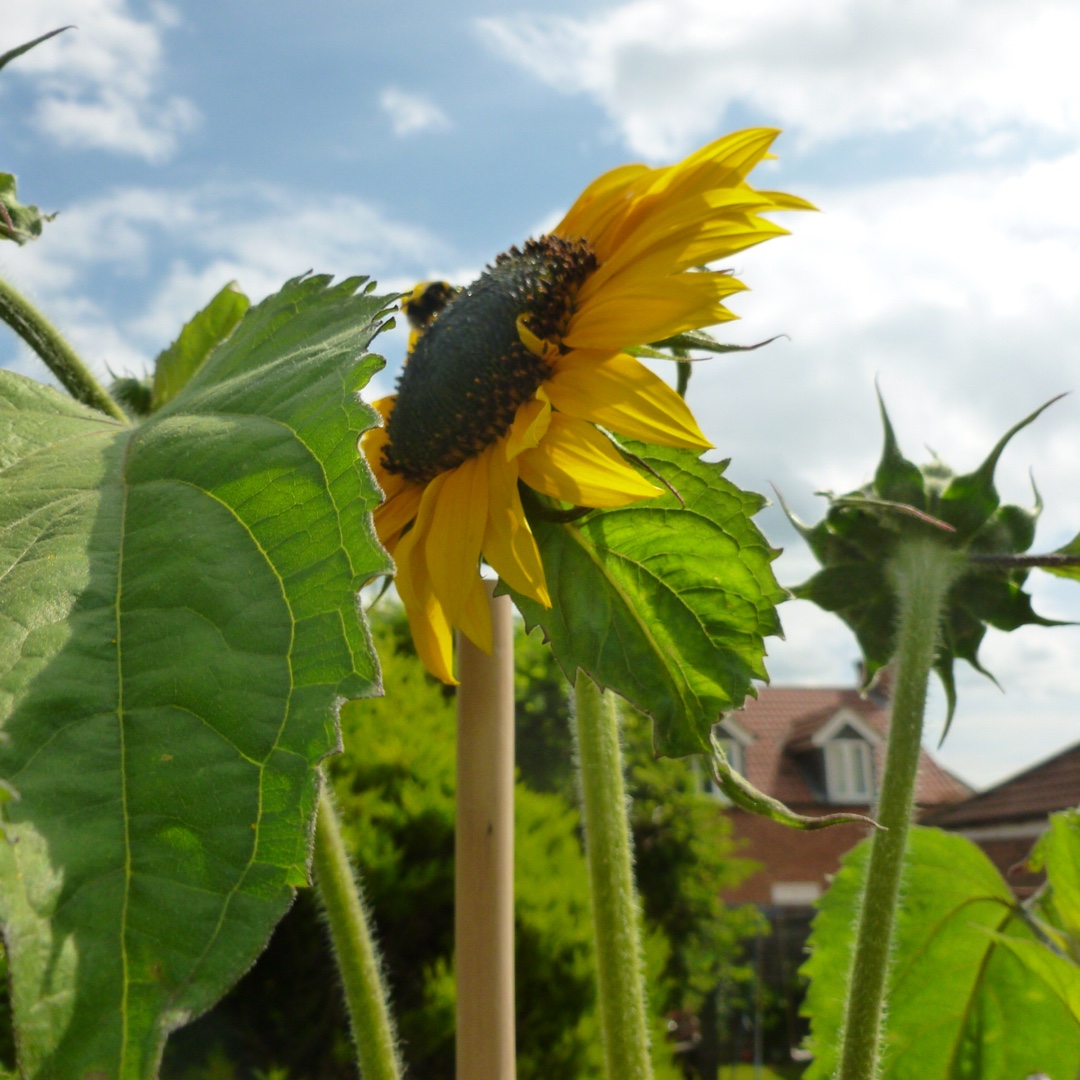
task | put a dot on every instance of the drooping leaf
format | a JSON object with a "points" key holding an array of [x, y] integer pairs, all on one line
{"points": [[959, 1005], [204, 333], [743, 794], [18, 222], [678, 627], [672, 348], [178, 625]]}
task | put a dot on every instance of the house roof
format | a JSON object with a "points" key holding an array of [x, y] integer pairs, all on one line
{"points": [[1050, 785], [782, 723]]}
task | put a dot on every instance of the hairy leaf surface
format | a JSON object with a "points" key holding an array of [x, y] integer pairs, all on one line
{"points": [[961, 1006], [178, 626], [200, 336], [666, 602]]}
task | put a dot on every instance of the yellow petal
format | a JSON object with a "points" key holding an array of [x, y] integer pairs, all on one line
{"points": [[509, 545], [430, 627], [725, 162], [397, 512], [602, 198], [722, 164], [538, 346], [476, 624], [372, 444], [452, 547], [634, 308], [384, 406], [577, 464], [622, 394], [668, 221], [530, 425]]}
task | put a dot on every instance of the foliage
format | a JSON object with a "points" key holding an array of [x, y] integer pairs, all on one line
{"points": [[179, 624], [961, 1003]]}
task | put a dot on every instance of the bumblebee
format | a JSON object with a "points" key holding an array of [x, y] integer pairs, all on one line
{"points": [[423, 305]]}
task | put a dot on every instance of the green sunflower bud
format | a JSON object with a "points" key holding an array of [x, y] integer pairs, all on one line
{"points": [[861, 531]]}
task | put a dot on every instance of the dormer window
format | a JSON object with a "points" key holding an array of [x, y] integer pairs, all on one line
{"points": [[846, 745], [849, 770]]}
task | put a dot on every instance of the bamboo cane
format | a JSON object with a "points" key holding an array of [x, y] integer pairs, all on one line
{"points": [[484, 854]]}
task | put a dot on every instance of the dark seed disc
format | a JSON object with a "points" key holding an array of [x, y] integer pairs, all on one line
{"points": [[469, 372]]}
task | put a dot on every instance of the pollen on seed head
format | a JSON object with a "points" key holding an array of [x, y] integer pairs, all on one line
{"points": [[469, 372]]}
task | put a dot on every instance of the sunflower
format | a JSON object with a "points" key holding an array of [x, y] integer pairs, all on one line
{"points": [[515, 379]]}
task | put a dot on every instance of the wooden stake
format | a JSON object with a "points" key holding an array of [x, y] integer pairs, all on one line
{"points": [[484, 853]]}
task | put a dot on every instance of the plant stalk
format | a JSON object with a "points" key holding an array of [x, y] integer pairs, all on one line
{"points": [[922, 571], [354, 948], [61, 359], [620, 971]]}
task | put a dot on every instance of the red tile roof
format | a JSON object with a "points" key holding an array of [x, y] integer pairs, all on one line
{"points": [[1049, 786], [787, 717]]}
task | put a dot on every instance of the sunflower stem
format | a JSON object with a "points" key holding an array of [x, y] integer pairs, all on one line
{"points": [[59, 356], [921, 571], [354, 948], [620, 971]]}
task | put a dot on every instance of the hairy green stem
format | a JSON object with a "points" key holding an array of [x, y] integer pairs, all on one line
{"points": [[922, 571], [620, 972], [61, 359], [365, 993]]}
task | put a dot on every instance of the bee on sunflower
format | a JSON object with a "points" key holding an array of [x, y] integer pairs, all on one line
{"points": [[517, 378]]}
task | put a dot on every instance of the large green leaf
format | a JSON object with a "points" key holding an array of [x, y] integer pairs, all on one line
{"points": [[202, 334], [666, 601], [178, 625], [960, 1005]]}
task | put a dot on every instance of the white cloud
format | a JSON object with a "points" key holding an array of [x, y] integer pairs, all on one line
{"points": [[411, 114], [666, 71], [100, 85], [961, 294], [258, 236]]}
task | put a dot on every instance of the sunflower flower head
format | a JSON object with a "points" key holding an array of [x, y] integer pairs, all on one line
{"points": [[509, 381]]}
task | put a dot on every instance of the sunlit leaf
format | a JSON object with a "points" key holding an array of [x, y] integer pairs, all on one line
{"points": [[960, 1005], [743, 794], [666, 602], [178, 625], [208, 329]]}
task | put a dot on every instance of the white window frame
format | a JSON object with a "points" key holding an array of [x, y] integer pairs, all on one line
{"points": [[840, 768], [849, 770]]}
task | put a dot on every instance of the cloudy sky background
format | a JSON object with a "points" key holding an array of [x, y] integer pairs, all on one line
{"points": [[186, 145]]}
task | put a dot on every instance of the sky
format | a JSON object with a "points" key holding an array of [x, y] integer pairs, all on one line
{"points": [[188, 144]]}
